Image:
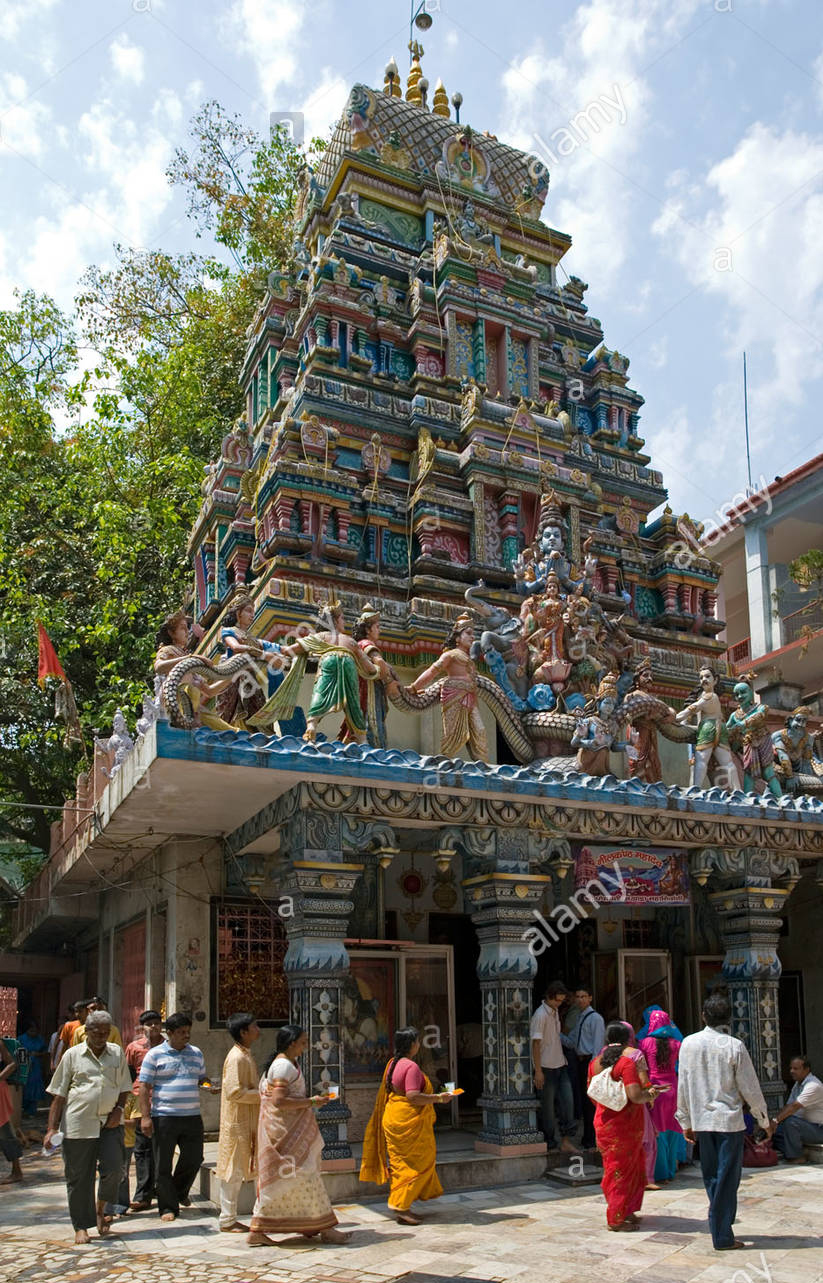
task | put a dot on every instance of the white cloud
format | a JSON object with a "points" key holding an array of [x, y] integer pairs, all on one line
{"points": [[129, 161], [23, 123], [324, 104], [757, 249], [598, 57], [268, 32], [15, 13], [127, 59]]}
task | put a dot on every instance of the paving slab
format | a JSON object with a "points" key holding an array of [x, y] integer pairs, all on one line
{"points": [[525, 1233]]}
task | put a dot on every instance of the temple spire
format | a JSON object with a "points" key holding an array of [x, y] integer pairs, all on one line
{"points": [[440, 102], [413, 91]]}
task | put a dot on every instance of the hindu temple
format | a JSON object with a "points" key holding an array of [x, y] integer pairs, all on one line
{"points": [[471, 727]]}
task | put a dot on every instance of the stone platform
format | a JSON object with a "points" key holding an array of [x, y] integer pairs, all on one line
{"points": [[459, 1167]]}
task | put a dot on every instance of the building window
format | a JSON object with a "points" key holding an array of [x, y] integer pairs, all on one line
{"points": [[248, 948], [639, 933]]}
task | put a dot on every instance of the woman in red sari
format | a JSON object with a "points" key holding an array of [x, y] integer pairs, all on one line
{"points": [[620, 1132]]}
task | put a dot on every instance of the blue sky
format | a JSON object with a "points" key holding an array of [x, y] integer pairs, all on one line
{"points": [[694, 192]]}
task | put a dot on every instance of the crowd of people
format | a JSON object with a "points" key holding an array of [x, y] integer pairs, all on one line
{"points": [[644, 1100]]}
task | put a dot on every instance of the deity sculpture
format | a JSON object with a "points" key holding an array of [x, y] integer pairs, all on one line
{"points": [[712, 735], [172, 646], [340, 662], [793, 749], [553, 668], [246, 696], [749, 736], [644, 759], [597, 729], [373, 695], [462, 723]]}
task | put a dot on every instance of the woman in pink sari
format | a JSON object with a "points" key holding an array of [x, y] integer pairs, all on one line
{"points": [[291, 1196], [661, 1050]]}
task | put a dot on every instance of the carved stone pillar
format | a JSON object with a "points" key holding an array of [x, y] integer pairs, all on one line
{"points": [[748, 904], [316, 964], [317, 886], [502, 908]]}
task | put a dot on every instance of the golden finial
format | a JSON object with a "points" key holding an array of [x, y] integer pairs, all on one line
{"points": [[392, 84], [440, 102], [413, 92]]}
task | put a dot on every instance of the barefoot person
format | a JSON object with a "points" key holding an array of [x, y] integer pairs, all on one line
{"points": [[9, 1144], [399, 1143], [239, 1115], [90, 1086], [291, 1196], [619, 1130]]}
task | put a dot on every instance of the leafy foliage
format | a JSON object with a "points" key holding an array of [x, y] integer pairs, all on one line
{"points": [[102, 467]]}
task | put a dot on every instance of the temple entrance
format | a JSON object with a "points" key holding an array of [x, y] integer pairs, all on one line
{"points": [[391, 984]]}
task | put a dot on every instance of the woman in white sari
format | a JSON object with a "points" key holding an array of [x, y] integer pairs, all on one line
{"points": [[291, 1196]]}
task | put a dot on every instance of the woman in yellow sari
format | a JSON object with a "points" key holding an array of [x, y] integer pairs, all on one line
{"points": [[399, 1143]]}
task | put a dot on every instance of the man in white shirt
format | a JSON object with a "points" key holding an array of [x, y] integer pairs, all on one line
{"points": [[716, 1079], [551, 1075], [800, 1121], [89, 1090]]}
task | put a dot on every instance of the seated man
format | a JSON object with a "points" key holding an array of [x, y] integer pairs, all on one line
{"points": [[800, 1121]]}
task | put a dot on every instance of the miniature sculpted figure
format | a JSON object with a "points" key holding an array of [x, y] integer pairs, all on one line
{"points": [[462, 723], [646, 762], [553, 668], [595, 735], [373, 701], [340, 662], [749, 735], [712, 736], [247, 694], [793, 749], [172, 646]]}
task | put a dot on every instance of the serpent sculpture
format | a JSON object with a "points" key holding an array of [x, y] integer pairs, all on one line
{"points": [[178, 705]]}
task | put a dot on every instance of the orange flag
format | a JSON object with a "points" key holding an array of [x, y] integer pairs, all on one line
{"points": [[48, 665]]}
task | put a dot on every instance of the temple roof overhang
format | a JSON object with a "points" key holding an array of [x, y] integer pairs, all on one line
{"points": [[224, 785]]}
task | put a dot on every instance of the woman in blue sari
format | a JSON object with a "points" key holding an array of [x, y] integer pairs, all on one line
{"points": [[35, 1087]]}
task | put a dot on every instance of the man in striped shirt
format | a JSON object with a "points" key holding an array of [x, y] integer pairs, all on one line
{"points": [[171, 1076]]}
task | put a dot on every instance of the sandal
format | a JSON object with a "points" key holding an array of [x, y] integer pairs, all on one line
{"points": [[408, 1218], [258, 1239], [625, 1227]]}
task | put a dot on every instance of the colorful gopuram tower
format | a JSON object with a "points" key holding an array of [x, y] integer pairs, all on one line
{"points": [[415, 384]]}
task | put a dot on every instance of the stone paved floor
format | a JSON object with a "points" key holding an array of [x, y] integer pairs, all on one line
{"points": [[534, 1233]]}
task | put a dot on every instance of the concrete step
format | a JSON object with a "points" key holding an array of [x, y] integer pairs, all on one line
{"points": [[573, 1172], [458, 1169]]}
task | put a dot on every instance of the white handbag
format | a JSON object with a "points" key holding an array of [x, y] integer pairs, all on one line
{"points": [[608, 1091]]}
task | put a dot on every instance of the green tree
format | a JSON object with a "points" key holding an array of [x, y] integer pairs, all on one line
{"points": [[102, 470]]}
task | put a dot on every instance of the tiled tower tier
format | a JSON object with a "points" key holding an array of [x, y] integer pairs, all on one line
{"points": [[416, 376]]}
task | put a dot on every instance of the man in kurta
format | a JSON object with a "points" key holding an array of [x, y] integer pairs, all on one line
{"points": [[239, 1110]]}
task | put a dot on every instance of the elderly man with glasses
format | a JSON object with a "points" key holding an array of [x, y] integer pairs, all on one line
{"points": [[90, 1087]]}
